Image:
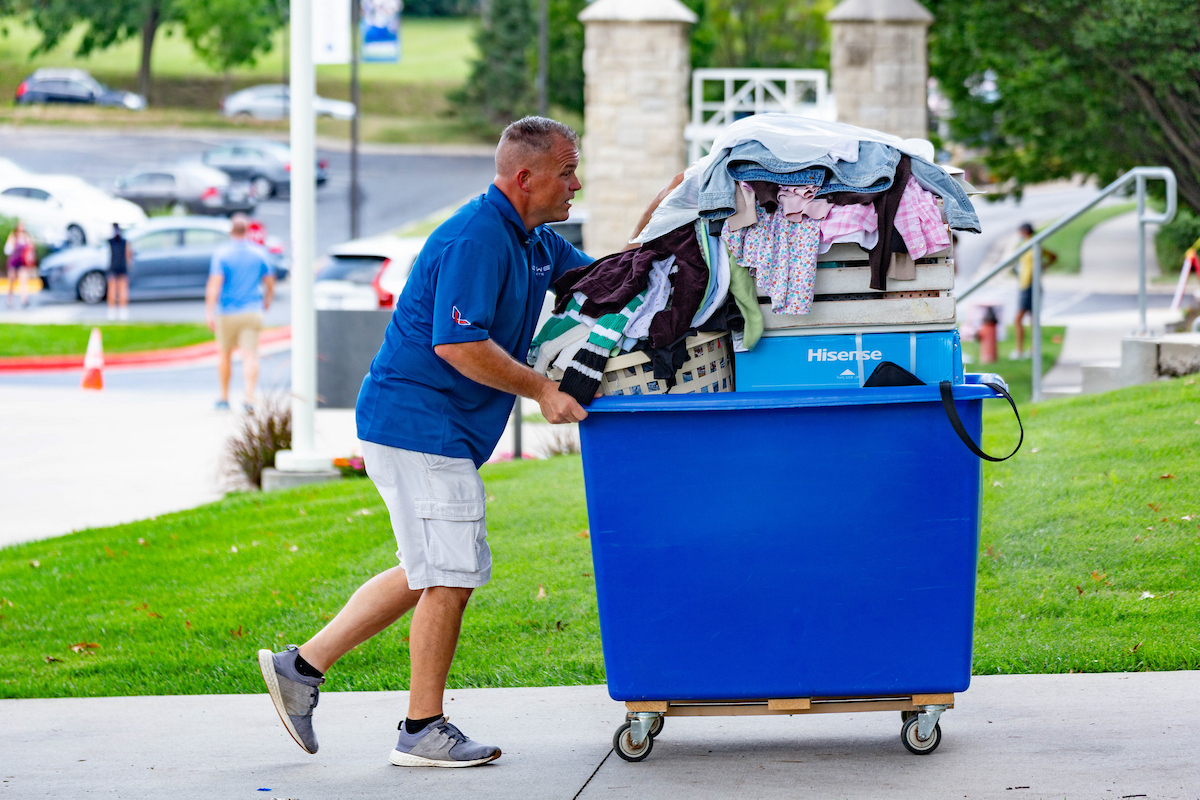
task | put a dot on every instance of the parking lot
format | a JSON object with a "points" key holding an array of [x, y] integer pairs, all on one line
{"points": [[398, 185]]}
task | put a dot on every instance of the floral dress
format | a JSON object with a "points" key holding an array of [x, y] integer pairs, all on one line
{"points": [[782, 255]]}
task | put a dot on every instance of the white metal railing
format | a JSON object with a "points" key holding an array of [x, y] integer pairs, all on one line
{"points": [[1137, 175], [743, 92]]}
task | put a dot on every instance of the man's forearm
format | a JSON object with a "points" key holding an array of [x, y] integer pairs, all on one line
{"points": [[487, 363]]}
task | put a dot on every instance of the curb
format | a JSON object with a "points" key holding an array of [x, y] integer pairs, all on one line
{"points": [[138, 358]]}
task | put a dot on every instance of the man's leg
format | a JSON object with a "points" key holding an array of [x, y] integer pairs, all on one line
{"points": [[250, 373], [376, 605], [1019, 325], [250, 325], [224, 368], [113, 282], [433, 636]]}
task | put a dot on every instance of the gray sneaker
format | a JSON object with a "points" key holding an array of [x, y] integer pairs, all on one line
{"points": [[294, 695], [440, 744]]}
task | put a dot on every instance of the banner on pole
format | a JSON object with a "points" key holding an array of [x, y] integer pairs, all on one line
{"points": [[381, 30], [331, 31]]}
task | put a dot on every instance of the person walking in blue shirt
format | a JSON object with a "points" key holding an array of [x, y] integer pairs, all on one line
{"points": [[240, 286], [430, 411]]}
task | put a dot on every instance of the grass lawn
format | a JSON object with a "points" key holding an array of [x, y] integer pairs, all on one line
{"points": [[180, 604], [433, 50], [402, 103], [1088, 563], [126, 337], [1090, 549], [1068, 242]]}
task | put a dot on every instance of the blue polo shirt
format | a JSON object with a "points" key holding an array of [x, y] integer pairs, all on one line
{"points": [[479, 276], [243, 266]]}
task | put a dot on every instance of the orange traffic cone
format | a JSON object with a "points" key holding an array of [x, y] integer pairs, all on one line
{"points": [[93, 363]]}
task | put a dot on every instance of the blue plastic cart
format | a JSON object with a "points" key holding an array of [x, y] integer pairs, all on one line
{"points": [[784, 552]]}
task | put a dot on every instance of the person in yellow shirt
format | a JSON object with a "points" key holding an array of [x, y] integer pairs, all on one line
{"points": [[1025, 293]]}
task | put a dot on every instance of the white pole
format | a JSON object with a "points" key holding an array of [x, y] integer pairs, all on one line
{"points": [[303, 456]]}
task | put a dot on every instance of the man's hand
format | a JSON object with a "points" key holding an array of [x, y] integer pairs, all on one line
{"points": [[211, 320], [487, 363], [558, 407]]}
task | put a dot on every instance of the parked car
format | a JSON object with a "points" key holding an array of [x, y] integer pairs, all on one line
{"points": [[264, 164], [50, 85], [82, 212], [365, 274], [186, 189], [171, 258], [270, 101]]}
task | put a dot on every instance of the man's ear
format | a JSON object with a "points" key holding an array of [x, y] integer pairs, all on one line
{"points": [[524, 179]]}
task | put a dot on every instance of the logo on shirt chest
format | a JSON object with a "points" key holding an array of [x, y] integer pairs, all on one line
{"points": [[542, 270]]}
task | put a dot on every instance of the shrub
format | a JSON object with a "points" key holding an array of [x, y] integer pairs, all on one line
{"points": [[260, 435], [1174, 239]]}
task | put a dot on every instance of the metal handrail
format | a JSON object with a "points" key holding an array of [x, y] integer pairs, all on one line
{"points": [[1138, 175]]}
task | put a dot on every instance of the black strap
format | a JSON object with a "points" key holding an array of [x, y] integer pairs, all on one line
{"points": [[956, 423]]}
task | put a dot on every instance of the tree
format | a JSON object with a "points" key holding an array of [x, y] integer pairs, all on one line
{"points": [[1052, 88], [565, 65], [229, 33], [106, 22], [780, 34], [500, 86]]}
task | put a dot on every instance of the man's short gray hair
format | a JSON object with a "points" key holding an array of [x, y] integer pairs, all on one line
{"points": [[529, 136]]}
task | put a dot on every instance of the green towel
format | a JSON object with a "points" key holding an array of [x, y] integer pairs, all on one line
{"points": [[745, 293]]}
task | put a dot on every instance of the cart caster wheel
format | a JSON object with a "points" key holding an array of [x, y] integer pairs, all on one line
{"points": [[623, 744], [908, 735], [905, 716], [657, 726]]}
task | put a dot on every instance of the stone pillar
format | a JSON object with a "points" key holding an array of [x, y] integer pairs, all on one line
{"points": [[880, 65], [637, 65]]}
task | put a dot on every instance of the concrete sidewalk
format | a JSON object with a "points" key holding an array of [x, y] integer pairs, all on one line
{"points": [[1031, 736]]}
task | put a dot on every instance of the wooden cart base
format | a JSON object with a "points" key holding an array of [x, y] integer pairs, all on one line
{"points": [[789, 705], [919, 732]]}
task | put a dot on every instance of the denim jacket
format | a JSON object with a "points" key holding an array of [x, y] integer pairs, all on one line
{"points": [[873, 172], [960, 213], [753, 161]]}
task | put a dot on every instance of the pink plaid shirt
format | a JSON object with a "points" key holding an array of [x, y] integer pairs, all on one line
{"points": [[920, 222], [843, 220]]}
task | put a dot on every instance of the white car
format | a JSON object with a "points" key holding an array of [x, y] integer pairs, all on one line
{"points": [[365, 274], [270, 101], [84, 213]]}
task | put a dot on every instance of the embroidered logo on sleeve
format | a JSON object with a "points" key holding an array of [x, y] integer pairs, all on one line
{"points": [[459, 319]]}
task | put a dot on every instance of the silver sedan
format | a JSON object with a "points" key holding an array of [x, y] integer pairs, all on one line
{"points": [[270, 101]]}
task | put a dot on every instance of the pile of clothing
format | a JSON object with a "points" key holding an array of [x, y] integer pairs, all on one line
{"points": [[750, 219], [650, 299]]}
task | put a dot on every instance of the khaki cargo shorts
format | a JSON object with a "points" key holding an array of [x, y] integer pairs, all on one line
{"points": [[240, 331], [437, 506]]}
